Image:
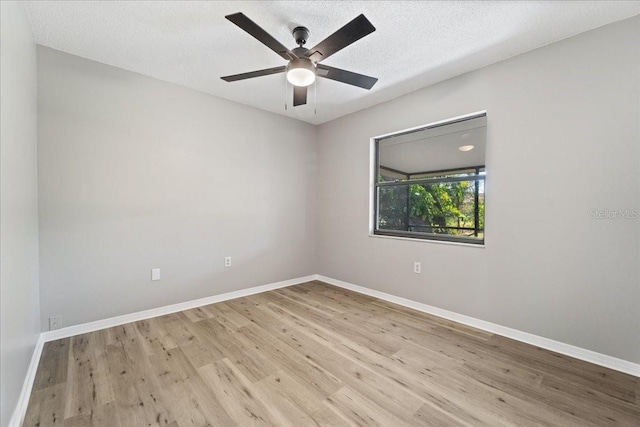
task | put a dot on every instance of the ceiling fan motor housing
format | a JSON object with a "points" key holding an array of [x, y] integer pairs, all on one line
{"points": [[301, 34], [300, 51]]}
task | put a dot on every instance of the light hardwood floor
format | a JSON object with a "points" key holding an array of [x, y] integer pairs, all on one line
{"points": [[314, 354]]}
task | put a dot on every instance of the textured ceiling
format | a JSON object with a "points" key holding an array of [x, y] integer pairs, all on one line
{"points": [[416, 43]]}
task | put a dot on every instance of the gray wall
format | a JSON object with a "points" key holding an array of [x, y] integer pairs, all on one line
{"points": [[19, 309], [136, 173], [563, 138]]}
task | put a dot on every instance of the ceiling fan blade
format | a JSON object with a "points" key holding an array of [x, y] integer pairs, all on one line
{"points": [[345, 76], [299, 95], [253, 74], [261, 35], [352, 32]]}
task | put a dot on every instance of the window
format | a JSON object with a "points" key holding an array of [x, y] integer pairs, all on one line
{"points": [[429, 182]]}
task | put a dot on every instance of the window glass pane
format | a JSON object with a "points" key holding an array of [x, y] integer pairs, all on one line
{"points": [[393, 207], [444, 208], [432, 152]]}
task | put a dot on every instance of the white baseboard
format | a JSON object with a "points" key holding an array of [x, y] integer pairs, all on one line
{"points": [[23, 400], [168, 309], [546, 343]]}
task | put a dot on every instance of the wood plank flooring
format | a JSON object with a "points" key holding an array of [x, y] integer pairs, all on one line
{"points": [[317, 355]]}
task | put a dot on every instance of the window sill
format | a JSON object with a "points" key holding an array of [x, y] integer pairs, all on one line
{"points": [[440, 242]]}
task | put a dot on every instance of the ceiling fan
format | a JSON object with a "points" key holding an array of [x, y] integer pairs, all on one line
{"points": [[304, 64]]}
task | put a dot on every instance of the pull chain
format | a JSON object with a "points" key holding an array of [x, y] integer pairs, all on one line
{"points": [[285, 91], [315, 98]]}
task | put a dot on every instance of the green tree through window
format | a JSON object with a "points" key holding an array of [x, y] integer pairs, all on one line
{"points": [[434, 207]]}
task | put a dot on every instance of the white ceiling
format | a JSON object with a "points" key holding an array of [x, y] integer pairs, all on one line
{"points": [[416, 43]]}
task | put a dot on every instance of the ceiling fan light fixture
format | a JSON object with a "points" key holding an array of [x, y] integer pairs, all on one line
{"points": [[301, 72]]}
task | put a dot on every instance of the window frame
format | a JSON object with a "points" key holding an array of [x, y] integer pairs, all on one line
{"points": [[375, 185]]}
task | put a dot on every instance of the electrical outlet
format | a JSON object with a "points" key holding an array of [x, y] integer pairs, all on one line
{"points": [[155, 274], [417, 267], [227, 261], [55, 322]]}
